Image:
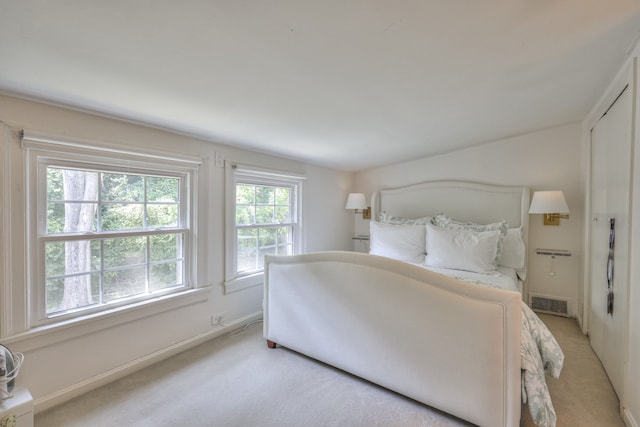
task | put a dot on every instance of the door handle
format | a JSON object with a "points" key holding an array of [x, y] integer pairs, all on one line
{"points": [[610, 265]]}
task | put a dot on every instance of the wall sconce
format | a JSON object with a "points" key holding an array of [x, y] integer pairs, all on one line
{"points": [[357, 202], [550, 203]]}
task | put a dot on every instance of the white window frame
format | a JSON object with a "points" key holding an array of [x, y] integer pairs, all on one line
{"points": [[42, 152], [237, 173]]}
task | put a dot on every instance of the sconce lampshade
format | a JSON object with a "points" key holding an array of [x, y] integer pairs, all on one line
{"points": [[544, 202], [356, 201], [550, 203]]}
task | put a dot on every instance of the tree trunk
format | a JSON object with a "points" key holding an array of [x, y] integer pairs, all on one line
{"points": [[78, 217]]}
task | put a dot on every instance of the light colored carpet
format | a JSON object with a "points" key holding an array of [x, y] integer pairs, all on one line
{"points": [[236, 381], [583, 395]]}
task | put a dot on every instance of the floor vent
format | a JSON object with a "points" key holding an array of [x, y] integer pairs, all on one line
{"points": [[549, 305]]}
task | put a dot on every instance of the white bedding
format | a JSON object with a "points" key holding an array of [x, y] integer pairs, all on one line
{"points": [[539, 352], [503, 278]]}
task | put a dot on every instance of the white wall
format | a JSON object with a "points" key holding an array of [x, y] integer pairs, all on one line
{"points": [[545, 160], [63, 362]]}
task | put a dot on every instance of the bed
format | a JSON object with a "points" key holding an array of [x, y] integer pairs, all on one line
{"points": [[412, 323]]}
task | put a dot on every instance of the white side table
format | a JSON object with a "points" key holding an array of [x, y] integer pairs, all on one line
{"points": [[17, 411], [361, 244]]}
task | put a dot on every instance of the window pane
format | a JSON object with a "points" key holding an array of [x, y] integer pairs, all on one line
{"points": [[71, 292], [264, 195], [54, 257], [162, 189], [117, 187], [125, 251], [72, 185], [245, 194], [54, 294], [55, 185], [55, 217], [162, 215], [282, 196], [76, 256], [245, 215], [247, 243], [164, 276], [165, 247], [124, 283], [247, 260], [264, 214], [71, 217], [247, 238], [285, 235], [267, 237], [262, 253], [122, 217], [282, 214]]}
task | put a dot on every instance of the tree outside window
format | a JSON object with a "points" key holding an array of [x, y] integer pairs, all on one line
{"points": [[110, 236], [264, 224]]}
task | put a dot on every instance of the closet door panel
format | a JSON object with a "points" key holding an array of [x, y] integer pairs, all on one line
{"points": [[610, 195], [599, 238]]}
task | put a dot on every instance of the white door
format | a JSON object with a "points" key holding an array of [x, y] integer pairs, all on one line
{"points": [[610, 197]]}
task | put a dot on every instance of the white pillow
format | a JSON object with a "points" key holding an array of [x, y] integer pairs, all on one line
{"points": [[398, 220], [442, 220], [513, 250], [401, 242], [462, 249]]}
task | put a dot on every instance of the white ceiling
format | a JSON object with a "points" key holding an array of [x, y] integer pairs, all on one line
{"points": [[349, 84]]}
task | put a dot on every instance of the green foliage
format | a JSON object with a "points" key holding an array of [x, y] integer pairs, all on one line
{"points": [[259, 204], [124, 283], [120, 216], [126, 202], [163, 189], [163, 275], [55, 192], [262, 208], [165, 247]]}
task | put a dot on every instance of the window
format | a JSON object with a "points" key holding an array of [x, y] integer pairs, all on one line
{"points": [[264, 224], [107, 235], [266, 220]]}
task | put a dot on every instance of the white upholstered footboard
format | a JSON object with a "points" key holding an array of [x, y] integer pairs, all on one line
{"points": [[449, 344]]}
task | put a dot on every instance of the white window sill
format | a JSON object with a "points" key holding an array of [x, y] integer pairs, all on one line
{"points": [[245, 282], [44, 336]]}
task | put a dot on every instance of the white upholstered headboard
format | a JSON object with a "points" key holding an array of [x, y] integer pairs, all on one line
{"points": [[464, 201]]}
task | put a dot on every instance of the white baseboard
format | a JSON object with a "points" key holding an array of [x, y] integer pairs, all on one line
{"points": [[580, 323], [628, 419], [75, 390]]}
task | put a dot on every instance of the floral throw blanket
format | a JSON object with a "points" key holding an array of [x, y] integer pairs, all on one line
{"points": [[539, 353]]}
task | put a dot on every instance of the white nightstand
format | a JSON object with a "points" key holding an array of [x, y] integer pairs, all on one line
{"points": [[361, 244], [17, 411]]}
